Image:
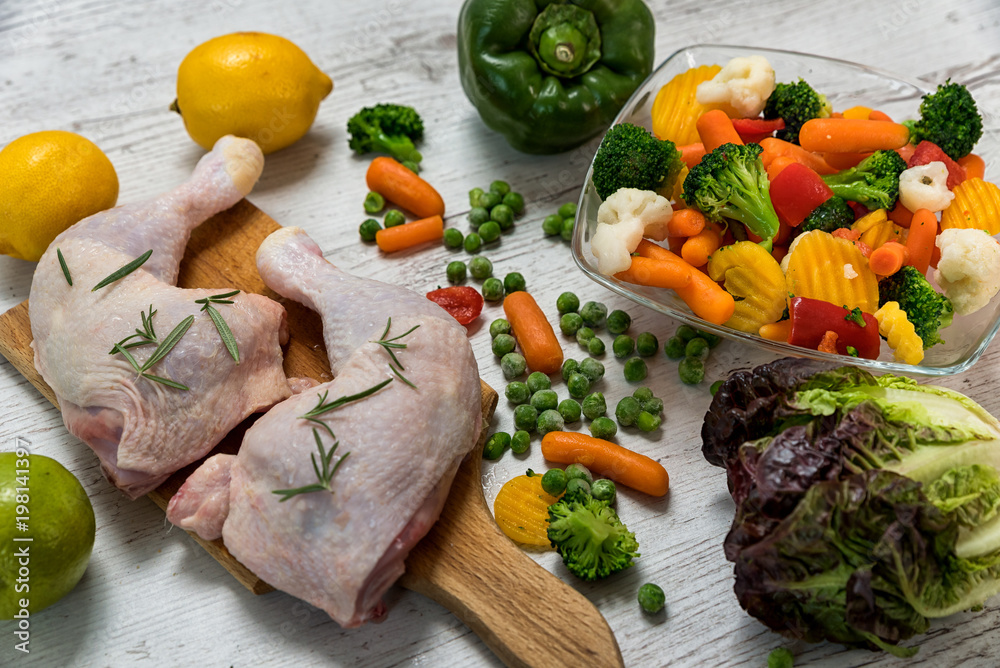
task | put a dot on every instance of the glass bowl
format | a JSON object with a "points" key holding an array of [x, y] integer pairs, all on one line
{"points": [[845, 85]]}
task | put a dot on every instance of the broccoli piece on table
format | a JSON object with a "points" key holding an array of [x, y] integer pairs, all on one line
{"points": [[631, 157], [387, 128], [874, 182], [731, 182], [950, 119], [833, 214], [928, 310], [591, 539], [795, 103]]}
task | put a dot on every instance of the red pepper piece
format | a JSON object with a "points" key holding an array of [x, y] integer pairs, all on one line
{"points": [[813, 318], [927, 152], [796, 191], [462, 302], [752, 130]]}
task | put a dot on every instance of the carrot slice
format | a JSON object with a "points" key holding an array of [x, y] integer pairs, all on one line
{"points": [[400, 186], [607, 459], [888, 258], [533, 332]]}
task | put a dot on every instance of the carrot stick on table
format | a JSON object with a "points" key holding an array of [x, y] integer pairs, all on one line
{"points": [[410, 234], [774, 147], [920, 240], [401, 186], [848, 135], [533, 332], [702, 295], [607, 459], [673, 274], [716, 129], [685, 223], [888, 258]]}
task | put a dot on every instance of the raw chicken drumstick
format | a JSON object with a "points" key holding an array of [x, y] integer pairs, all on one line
{"points": [[142, 428], [341, 548]]}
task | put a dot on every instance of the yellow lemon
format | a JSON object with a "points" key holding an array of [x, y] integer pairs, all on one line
{"points": [[252, 85], [49, 181]]}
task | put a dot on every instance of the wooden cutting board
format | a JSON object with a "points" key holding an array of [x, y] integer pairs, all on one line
{"points": [[464, 563]]}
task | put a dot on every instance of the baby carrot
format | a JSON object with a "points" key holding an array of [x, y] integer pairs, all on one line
{"points": [[607, 459], [672, 274], [774, 147], [920, 240], [401, 186], [975, 166], [900, 215], [704, 297], [696, 249], [877, 115], [716, 129], [776, 331], [691, 154], [778, 165], [686, 223], [847, 135], [410, 234], [888, 258], [533, 332], [844, 160]]}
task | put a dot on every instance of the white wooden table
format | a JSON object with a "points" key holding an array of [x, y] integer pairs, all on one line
{"points": [[151, 596]]}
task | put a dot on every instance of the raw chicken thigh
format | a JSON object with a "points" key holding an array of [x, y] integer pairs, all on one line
{"points": [[341, 549], [142, 429]]}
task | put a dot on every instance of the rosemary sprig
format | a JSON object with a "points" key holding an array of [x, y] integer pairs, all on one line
{"points": [[324, 406], [147, 335], [225, 333], [324, 471], [161, 351], [62, 263], [390, 344], [124, 271]]}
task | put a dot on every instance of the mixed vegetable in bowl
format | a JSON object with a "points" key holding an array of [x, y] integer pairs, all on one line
{"points": [[769, 211]]}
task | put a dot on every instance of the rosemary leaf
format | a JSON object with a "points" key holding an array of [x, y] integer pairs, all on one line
{"points": [[402, 377], [128, 356], [289, 493], [322, 424], [124, 271], [65, 269], [324, 407], [168, 343], [225, 333], [165, 381], [324, 473]]}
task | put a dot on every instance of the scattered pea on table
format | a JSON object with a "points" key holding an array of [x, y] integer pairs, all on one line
{"points": [[525, 418], [538, 381], [514, 282], [393, 217], [452, 238], [517, 392], [646, 344], [570, 410], [374, 202], [592, 369], [496, 445], [368, 229], [619, 321], [480, 267], [603, 427], [552, 225], [503, 344], [489, 232], [456, 271], [499, 326], [493, 289], [569, 367], [544, 400], [595, 346], [477, 216], [567, 302], [550, 420], [627, 411], [570, 323], [520, 442], [512, 365], [594, 406], [578, 384], [635, 370], [623, 345], [594, 314], [554, 482], [691, 370], [472, 242]]}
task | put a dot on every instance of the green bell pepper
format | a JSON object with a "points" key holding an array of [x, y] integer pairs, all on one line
{"points": [[547, 75]]}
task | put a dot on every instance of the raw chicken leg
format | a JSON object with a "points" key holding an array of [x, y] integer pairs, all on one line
{"points": [[144, 430], [340, 551]]}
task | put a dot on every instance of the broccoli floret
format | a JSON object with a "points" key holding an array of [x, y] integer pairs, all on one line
{"points": [[730, 182], [927, 309], [795, 103], [591, 539], [950, 119], [631, 157], [387, 128], [833, 214], [874, 182]]}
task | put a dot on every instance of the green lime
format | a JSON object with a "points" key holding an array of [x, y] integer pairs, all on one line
{"points": [[60, 523]]}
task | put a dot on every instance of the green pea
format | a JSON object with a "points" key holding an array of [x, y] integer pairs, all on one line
{"points": [[691, 370], [595, 346], [642, 394], [603, 427], [489, 232], [496, 445], [647, 401], [567, 210], [579, 385], [627, 411], [517, 393], [544, 400], [554, 482], [500, 188], [474, 196], [570, 323], [635, 370], [456, 271], [567, 229], [569, 367], [515, 201], [648, 421], [603, 490], [583, 335], [368, 229], [697, 347], [674, 348], [780, 657], [503, 215], [714, 387], [512, 365], [577, 487], [646, 344], [519, 442], [567, 302], [472, 242], [623, 345], [499, 326], [513, 282], [570, 410], [493, 289], [651, 598], [525, 418], [577, 471], [552, 225], [503, 344], [453, 238], [538, 381], [374, 202], [592, 369], [594, 314], [477, 216], [686, 333], [619, 321], [594, 406], [393, 217], [550, 420], [480, 267], [489, 200]]}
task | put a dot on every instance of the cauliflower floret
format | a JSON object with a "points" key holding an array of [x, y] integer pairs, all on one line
{"points": [[925, 187], [623, 220], [969, 268], [744, 84]]}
